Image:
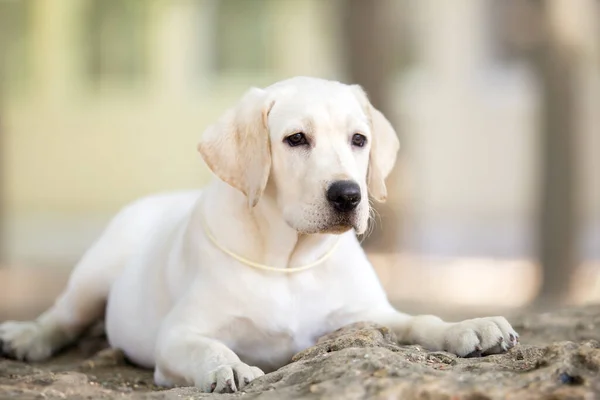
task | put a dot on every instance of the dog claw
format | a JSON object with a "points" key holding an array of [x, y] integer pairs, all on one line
{"points": [[478, 352]]}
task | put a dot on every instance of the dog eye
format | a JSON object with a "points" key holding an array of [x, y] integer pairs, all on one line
{"points": [[358, 140], [297, 139]]}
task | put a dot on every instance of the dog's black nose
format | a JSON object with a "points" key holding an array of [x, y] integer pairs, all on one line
{"points": [[344, 196]]}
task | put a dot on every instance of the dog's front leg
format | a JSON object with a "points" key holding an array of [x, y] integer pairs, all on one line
{"points": [[184, 357], [469, 338]]}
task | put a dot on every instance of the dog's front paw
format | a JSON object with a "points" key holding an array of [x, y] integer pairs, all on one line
{"points": [[228, 378], [480, 337], [24, 341]]}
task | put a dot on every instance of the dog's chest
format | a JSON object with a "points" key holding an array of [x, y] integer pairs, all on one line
{"points": [[271, 333]]}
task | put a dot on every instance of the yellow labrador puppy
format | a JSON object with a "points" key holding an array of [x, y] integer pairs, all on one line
{"points": [[213, 287]]}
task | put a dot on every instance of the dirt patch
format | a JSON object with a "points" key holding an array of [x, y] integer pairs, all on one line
{"points": [[559, 357]]}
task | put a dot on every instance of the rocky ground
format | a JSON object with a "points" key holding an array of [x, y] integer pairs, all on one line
{"points": [[558, 358]]}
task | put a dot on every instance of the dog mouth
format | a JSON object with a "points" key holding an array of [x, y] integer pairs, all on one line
{"points": [[340, 223], [335, 227], [326, 221]]}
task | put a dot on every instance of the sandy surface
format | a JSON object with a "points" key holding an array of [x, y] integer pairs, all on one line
{"points": [[559, 357]]}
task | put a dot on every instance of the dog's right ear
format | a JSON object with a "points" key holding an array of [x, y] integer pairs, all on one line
{"points": [[384, 147], [237, 149]]}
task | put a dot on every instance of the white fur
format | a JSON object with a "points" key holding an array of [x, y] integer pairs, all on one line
{"points": [[178, 304]]}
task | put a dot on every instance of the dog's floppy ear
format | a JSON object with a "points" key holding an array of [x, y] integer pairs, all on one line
{"points": [[236, 148], [384, 147]]}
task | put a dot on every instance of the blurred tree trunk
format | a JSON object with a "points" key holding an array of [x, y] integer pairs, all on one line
{"points": [[557, 219], [2, 222], [370, 32], [532, 33]]}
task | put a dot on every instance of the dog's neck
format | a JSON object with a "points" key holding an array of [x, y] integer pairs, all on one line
{"points": [[259, 234]]}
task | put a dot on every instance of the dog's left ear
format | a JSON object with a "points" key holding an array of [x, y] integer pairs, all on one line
{"points": [[237, 149], [384, 147]]}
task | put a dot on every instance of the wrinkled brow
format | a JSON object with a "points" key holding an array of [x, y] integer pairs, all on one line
{"points": [[360, 123], [304, 124]]}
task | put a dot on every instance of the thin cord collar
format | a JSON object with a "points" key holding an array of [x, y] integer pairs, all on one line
{"points": [[262, 266]]}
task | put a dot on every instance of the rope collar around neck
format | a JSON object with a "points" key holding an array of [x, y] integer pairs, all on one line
{"points": [[263, 267]]}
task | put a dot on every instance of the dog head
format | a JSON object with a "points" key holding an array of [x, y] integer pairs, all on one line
{"points": [[318, 147]]}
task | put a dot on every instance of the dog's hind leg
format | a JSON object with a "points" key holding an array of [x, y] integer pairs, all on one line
{"points": [[81, 304]]}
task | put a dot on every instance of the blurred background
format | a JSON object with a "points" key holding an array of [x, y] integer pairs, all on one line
{"points": [[495, 199]]}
